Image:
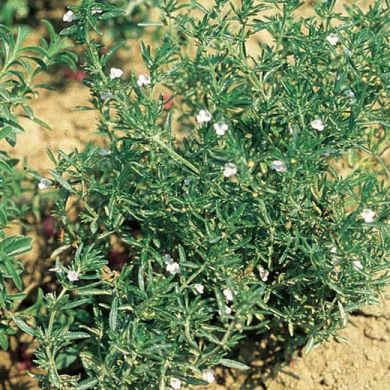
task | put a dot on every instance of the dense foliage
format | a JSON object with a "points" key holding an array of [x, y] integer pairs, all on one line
{"points": [[216, 208]]}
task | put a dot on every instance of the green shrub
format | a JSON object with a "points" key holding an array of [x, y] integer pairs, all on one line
{"points": [[244, 225], [19, 67]]}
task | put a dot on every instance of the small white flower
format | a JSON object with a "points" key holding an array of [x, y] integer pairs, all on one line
{"points": [[208, 376], [44, 184], [228, 293], [203, 117], [229, 170], [368, 215], [333, 39], [317, 124], [143, 80], [175, 383], [349, 93], [68, 17], [357, 265], [228, 310], [347, 52], [279, 166], [173, 268], [115, 73], [167, 259], [73, 276], [106, 96], [96, 11], [220, 128], [199, 288], [264, 273], [104, 152]]}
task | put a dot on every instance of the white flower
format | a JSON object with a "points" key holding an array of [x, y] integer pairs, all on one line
{"points": [[199, 288], [368, 215], [228, 293], [333, 39], [44, 184], [357, 265], [115, 73], [208, 376], [279, 166], [104, 152], [68, 17], [264, 273], [229, 170], [220, 128], [106, 95], [317, 124], [228, 310], [143, 80], [173, 268], [175, 383], [73, 276], [167, 259], [349, 93], [347, 52], [203, 117], [96, 11]]}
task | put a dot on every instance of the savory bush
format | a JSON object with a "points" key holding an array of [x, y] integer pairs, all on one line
{"points": [[216, 209]]}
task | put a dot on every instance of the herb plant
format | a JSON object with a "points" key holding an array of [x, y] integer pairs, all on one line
{"points": [[221, 195], [19, 67]]}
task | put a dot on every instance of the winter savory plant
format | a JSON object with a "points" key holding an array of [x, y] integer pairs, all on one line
{"points": [[217, 210]]}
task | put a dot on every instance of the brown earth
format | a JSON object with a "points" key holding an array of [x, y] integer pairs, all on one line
{"points": [[362, 363]]}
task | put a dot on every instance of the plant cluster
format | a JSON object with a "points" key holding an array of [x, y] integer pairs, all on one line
{"points": [[216, 209], [19, 67]]}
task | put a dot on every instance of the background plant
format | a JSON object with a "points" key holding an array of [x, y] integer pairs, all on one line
{"points": [[19, 67], [243, 226]]}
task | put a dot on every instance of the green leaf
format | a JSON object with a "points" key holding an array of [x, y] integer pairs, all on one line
{"points": [[24, 327], [113, 318], [233, 364]]}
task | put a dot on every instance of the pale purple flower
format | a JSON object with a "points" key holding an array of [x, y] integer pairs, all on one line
{"points": [[199, 288], [317, 124], [44, 184], [175, 383], [208, 376], [264, 273], [227, 310], [220, 128], [229, 170], [368, 215], [115, 73], [73, 276], [333, 39], [104, 152], [173, 268], [68, 17], [106, 96], [279, 166], [228, 293], [143, 80], [203, 117]]}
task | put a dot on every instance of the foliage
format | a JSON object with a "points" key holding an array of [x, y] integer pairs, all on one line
{"points": [[223, 197], [19, 67]]}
